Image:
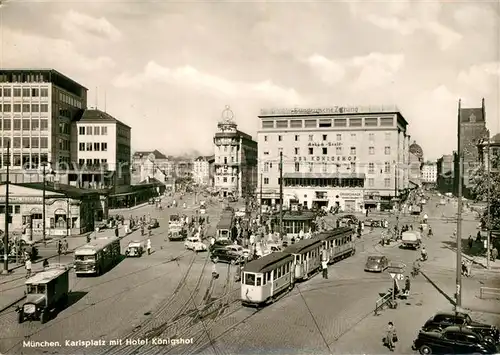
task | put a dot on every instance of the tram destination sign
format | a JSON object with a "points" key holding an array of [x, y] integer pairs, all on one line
{"points": [[310, 111]]}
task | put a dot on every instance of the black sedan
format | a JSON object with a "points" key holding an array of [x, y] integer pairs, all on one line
{"points": [[442, 320], [452, 340], [226, 255], [220, 244]]}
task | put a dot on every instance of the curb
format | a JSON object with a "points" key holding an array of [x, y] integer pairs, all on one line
{"points": [[47, 258], [114, 211], [11, 304]]}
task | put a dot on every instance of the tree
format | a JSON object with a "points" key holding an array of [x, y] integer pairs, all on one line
{"points": [[480, 194]]}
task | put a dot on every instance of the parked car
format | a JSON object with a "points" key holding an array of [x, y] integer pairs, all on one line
{"points": [[226, 255], [443, 320], [241, 212], [153, 224], [376, 263], [194, 243], [452, 340]]}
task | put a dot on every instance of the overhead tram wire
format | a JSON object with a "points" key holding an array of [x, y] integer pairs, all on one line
{"points": [[314, 320]]}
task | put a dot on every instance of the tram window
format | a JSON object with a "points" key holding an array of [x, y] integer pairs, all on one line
{"points": [[279, 272], [275, 274], [250, 279], [259, 281]]}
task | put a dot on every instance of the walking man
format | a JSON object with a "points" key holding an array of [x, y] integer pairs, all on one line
{"points": [[148, 246], [28, 267], [324, 266], [494, 254], [391, 337]]}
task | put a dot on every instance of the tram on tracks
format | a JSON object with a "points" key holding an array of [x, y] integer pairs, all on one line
{"points": [[266, 279], [226, 225]]}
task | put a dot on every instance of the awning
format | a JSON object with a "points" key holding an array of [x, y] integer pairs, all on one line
{"points": [[323, 176]]}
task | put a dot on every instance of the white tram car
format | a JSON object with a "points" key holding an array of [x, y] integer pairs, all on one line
{"points": [[338, 244], [272, 275], [306, 257], [264, 279]]}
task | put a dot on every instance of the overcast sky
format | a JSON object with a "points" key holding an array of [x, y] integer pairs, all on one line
{"points": [[169, 68]]}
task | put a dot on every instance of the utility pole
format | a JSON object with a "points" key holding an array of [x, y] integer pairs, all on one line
{"points": [[7, 216], [281, 195], [43, 201], [459, 215], [488, 221], [260, 203]]}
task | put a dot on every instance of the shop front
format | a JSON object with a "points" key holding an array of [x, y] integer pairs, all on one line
{"points": [[341, 199], [67, 212]]}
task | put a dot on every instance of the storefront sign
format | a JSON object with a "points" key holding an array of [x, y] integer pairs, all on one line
{"points": [[22, 200], [347, 195], [324, 144], [310, 111], [325, 158]]}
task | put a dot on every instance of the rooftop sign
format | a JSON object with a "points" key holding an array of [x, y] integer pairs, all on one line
{"points": [[328, 110]]}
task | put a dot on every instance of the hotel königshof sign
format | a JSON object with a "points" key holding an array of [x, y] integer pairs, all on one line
{"points": [[325, 158], [310, 111]]}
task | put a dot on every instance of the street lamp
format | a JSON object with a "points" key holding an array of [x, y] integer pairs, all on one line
{"points": [[44, 173]]}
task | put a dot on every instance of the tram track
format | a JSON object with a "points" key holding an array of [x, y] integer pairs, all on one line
{"points": [[120, 349]]}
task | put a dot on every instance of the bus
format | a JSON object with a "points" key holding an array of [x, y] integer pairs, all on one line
{"points": [[96, 257], [225, 225]]}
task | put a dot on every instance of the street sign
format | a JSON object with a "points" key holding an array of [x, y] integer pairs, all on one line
{"points": [[393, 275]]}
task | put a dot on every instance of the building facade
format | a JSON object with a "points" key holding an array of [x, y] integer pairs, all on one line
{"points": [[473, 131], [235, 159], [429, 173], [37, 109], [201, 170], [489, 159], [103, 151], [347, 157], [68, 210], [154, 165], [446, 173]]}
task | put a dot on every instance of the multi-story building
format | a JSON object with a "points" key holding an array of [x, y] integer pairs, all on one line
{"points": [[151, 164], [416, 162], [490, 158], [429, 173], [183, 168], [445, 173], [201, 170], [37, 109], [235, 159], [347, 157], [473, 131], [103, 151]]}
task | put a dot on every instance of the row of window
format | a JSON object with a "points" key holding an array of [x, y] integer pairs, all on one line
{"points": [[96, 147], [225, 179], [338, 137], [26, 142], [64, 144], [90, 162], [226, 148], [93, 130], [64, 128], [26, 160], [25, 108], [327, 122], [257, 280], [268, 166], [326, 183], [16, 124], [24, 92], [13, 209]]}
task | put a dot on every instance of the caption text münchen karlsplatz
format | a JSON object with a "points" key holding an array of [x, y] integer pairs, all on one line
{"points": [[100, 342]]}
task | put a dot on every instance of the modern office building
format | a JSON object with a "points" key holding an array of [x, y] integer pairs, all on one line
{"points": [[235, 159], [103, 151], [347, 157], [429, 173], [37, 109]]}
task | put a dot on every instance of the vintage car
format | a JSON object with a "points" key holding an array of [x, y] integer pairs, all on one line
{"points": [[375, 223], [134, 248], [452, 340], [47, 291], [226, 255], [195, 244], [443, 320], [177, 234], [376, 263], [153, 223], [221, 243]]}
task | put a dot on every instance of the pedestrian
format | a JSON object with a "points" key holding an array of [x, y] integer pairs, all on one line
{"points": [[470, 242], [148, 246], [324, 266], [116, 232], [59, 247], [494, 254], [215, 274], [391, 336], [28, 267], [65, 246], [407, 284], [45, 263]]}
